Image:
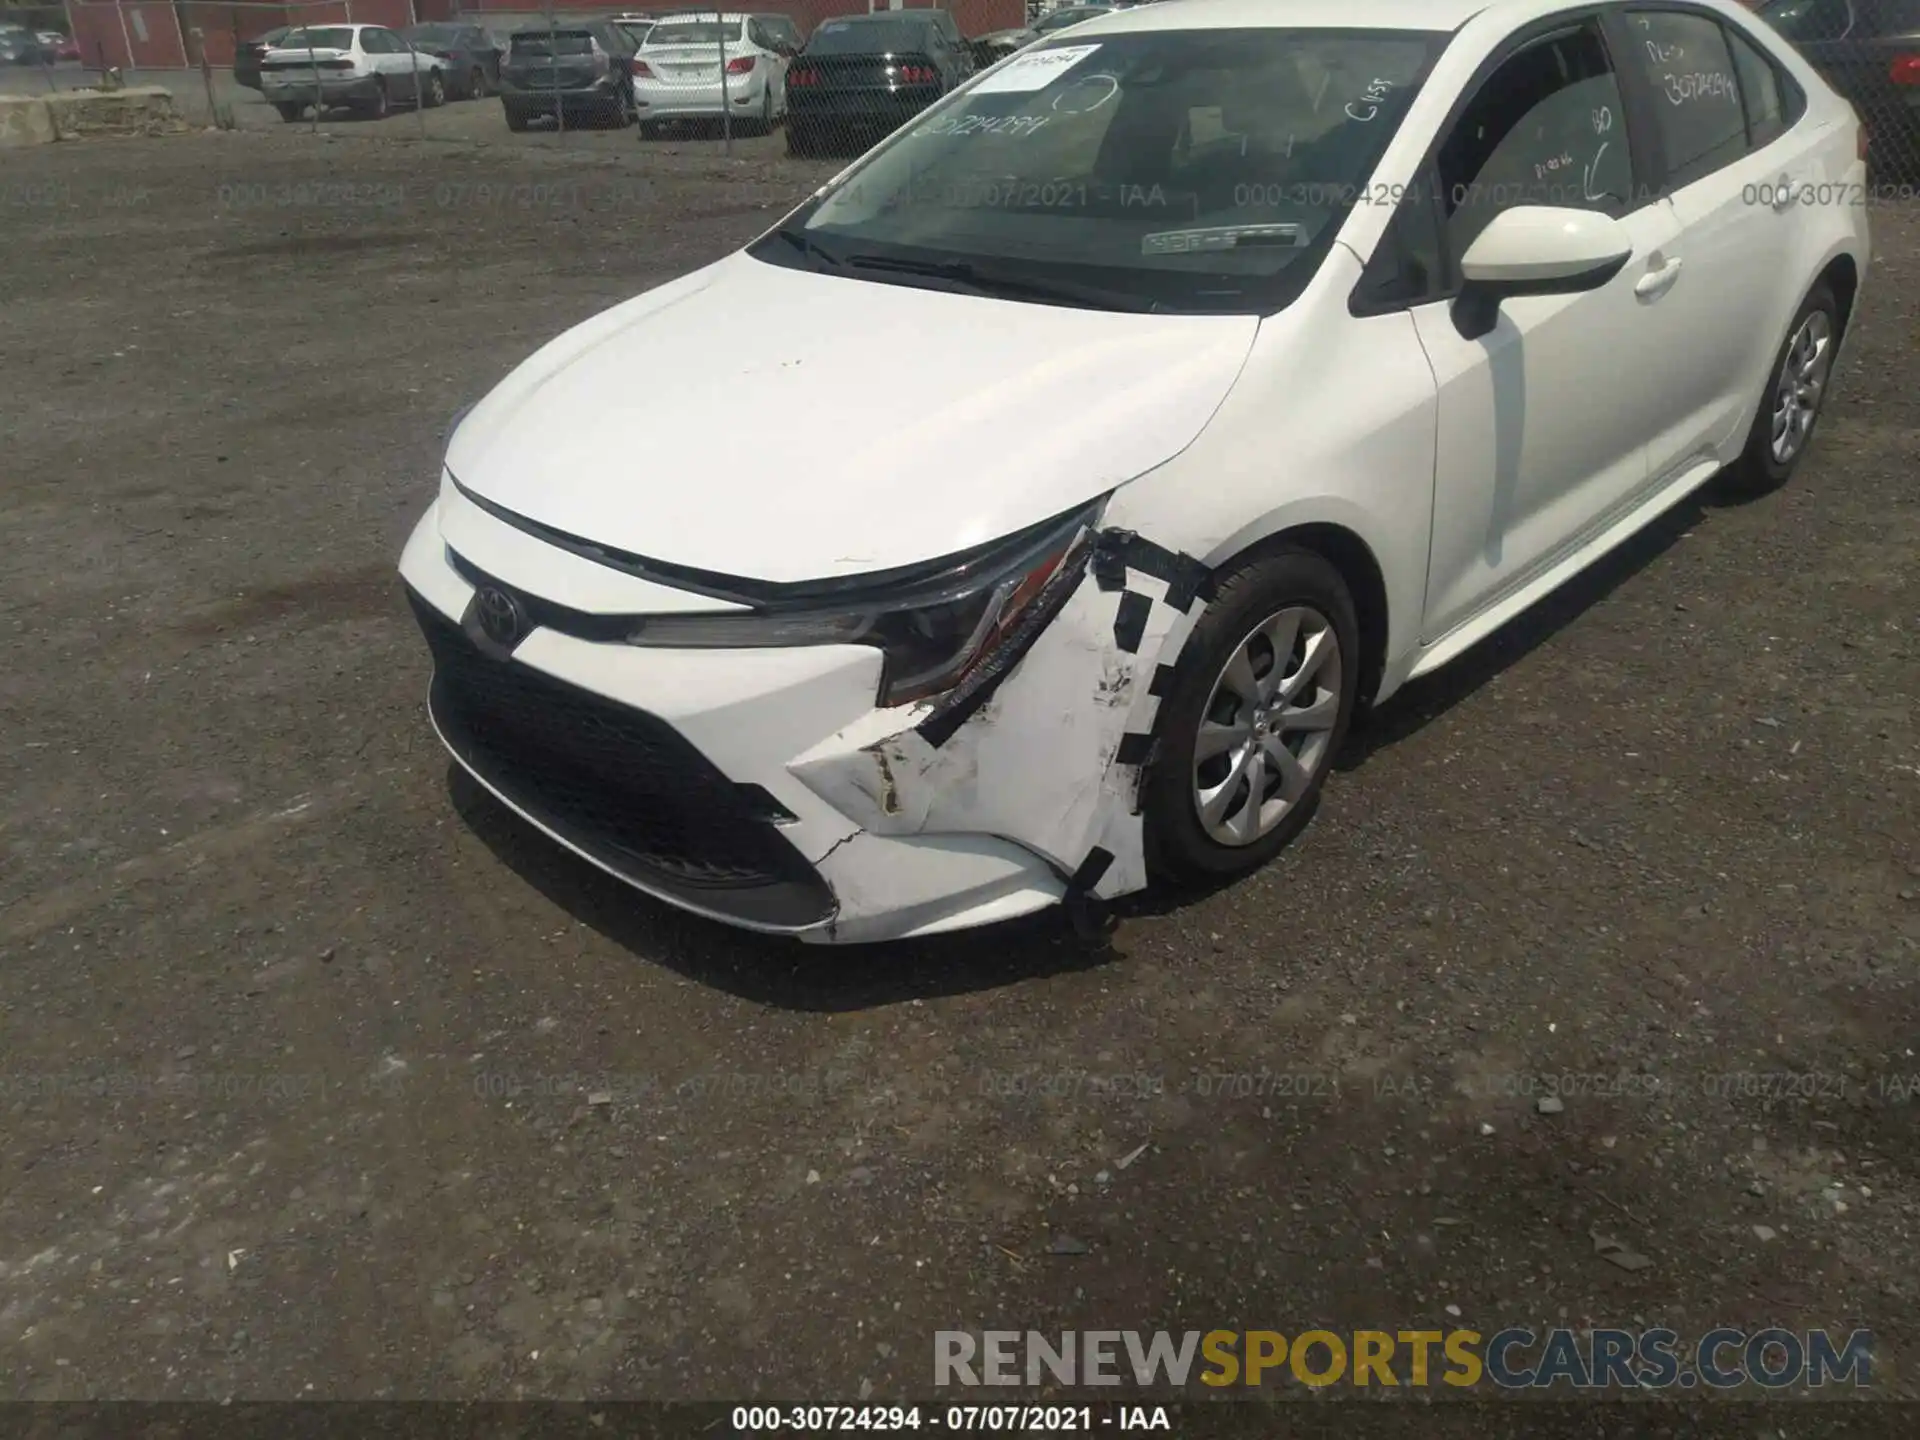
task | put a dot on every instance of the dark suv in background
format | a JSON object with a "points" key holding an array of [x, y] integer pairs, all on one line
{"points": [[1868, 50], [585, 71]]}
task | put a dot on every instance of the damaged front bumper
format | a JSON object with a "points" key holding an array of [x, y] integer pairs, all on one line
{"points": [[798, 808]]}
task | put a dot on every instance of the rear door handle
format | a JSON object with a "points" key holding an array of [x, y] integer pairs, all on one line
{"points": [[1658, 282]]}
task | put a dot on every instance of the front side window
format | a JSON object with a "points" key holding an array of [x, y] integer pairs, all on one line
{"points": [[1201, 170], [1696, 99], [1547, 128]]}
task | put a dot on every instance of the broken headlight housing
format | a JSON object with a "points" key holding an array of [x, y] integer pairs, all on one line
{"points": [[936, 624]]}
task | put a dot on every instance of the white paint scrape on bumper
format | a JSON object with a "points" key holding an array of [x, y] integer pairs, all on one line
{"points": [[1005, 797]]}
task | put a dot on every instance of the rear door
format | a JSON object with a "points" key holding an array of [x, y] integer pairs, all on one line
{"points": [[1732, 200]]}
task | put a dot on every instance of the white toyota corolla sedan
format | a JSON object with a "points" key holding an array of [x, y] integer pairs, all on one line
{"points": [[1127, 420]]}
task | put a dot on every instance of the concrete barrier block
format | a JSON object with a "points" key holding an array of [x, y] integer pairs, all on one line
{"points": [[24, 120], [137, 110]]}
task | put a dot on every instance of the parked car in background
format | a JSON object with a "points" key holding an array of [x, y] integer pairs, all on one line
{"points": [[781, 31], [582, 72], [247, 53], [998, 44], [1868, 50], [701, 66], [366, 68], [472, 56], [60, 45], [1285, 403], [861, 76], [23, 47], [636, 27]]}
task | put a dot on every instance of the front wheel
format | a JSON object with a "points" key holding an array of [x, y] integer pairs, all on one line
{"points": [[289, 111], [1258, 709], [1797, 388]]}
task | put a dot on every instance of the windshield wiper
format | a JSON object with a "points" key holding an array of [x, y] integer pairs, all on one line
{"points": [[811, 248], [985, 280]]}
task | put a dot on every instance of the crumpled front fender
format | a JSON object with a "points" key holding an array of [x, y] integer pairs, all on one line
{"points": [[1045, 747]]}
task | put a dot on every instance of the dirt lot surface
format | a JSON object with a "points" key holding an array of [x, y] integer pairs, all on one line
{"points": [[325, 1078]]}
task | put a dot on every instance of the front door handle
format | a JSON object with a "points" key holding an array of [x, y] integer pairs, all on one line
{"points": [[1785, 192], [1657, 282]]}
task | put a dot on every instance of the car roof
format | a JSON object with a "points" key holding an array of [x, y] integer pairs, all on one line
{"points": [[1430, 15]]}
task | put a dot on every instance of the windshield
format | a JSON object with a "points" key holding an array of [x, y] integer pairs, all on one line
{"points": [[701, 32], [1198, 170], [337, 37], [868, 37], [565, 42], [1060, 19]]}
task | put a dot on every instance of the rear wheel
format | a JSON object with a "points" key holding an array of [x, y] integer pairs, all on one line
{"points": [[289, 111], [517, 118], [800, 139], [433, 89], [380, 106], [477, 84], [1796, 392], [1259, 707]]}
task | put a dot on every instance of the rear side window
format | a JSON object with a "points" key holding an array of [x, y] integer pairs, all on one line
{"points": [[1761, 91], [1696, 99]]}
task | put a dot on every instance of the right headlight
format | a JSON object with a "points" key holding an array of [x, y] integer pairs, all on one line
{"points": [[936, 625]]}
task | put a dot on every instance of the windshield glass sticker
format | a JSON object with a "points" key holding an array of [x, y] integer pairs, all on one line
{"points": [[1033, 71], [1221, 237]]}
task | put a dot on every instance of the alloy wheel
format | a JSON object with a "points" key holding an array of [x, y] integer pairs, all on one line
{"points": [[1801, 385], [1267, 729]]}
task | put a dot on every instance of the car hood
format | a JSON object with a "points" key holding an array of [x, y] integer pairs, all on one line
{"points": [[780, 424]]}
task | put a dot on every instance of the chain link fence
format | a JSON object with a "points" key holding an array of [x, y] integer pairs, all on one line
{"points": [[789, 81]]}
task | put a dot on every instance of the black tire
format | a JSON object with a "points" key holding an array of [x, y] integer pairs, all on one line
{"points": [[289, 111], [517, 119], [800, 139], [477, 84], [381, 105], [649, 129], [1758, 470], [1178, 848], [433, 90]]}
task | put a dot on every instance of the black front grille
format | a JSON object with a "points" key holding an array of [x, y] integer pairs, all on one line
{"points": [[622, 785]]}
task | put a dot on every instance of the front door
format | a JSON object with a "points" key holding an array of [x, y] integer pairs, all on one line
{"points": [[1542, 422]]}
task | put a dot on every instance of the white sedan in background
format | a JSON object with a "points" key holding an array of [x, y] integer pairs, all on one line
{"points": [[368, 68], [701, 67], [1144, 408]]}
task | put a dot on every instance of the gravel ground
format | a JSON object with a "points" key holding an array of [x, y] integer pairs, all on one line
{"points": [[323, 1078]]}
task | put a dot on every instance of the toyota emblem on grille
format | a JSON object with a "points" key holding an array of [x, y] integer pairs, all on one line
{"points": [[501, 618]]}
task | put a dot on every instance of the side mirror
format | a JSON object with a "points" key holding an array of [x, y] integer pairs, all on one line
{"points": [[1536, 250]]}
